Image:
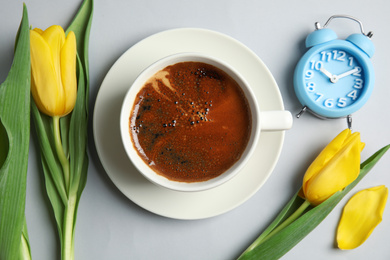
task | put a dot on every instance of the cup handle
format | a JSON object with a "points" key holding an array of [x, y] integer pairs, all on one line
{"points": [[276, 120]]}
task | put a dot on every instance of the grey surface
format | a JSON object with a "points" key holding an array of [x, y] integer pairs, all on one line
{"points": [[110, 226]]}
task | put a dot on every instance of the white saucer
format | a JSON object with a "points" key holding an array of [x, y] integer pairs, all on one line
{"points": [[161, 201]]}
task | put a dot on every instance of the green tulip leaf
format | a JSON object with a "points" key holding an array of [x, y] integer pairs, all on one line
{"points": [[50, 164], [81, 26], [280, 243], [14, 147]]}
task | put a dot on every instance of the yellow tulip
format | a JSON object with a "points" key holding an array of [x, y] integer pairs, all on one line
{"points": [[335, 167], [360, 216], [53, 70]]}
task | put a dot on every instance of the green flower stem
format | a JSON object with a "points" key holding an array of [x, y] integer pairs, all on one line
{"points": [[60, 151], [289, 220], [68, 235], [70, 206], [284, 224]]}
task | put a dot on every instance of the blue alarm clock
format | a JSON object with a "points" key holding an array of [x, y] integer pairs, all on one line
{"points": [[335, 78]]}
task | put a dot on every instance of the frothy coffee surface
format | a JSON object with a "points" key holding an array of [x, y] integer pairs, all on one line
{"points": [[191, 122]]}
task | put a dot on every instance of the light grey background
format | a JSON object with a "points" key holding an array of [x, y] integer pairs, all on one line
{"points": [[110, 226]]}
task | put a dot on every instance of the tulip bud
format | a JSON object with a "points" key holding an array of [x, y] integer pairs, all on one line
{"points": [[336, 167], [53, 70]]}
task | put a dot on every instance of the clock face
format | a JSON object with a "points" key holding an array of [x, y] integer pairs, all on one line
{"points": [[334, 79]]}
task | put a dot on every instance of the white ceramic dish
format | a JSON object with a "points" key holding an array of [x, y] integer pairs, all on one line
{"points": [[165, 202]]}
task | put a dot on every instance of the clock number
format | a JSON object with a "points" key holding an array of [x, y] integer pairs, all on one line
{"points": [[342, 102], [319, 96], [326, 56], [358, 83], [329, 102], [350, 61], [323, 53], [342, 56], [334, 55], [315, 65], [309, 74], [357, 73], [311, 86], [353, 94]]}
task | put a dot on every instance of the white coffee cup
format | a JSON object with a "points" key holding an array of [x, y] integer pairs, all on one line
{"points": [[261, 121]]}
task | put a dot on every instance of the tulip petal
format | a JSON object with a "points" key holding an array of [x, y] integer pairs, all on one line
{"points": [[360, 216], [325, 155], [43, 81], [68, 72], [55, 38], [38, 30], [336, 166]]}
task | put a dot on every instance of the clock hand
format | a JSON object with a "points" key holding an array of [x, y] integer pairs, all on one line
{"points": [[326, 73], [333, 78], [347, 73]]}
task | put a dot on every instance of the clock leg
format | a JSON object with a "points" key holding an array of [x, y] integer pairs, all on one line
{"points": [[303, 110], [349, 121]]}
